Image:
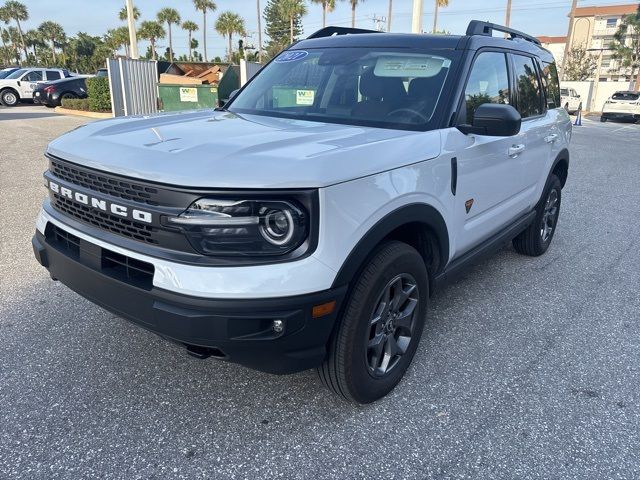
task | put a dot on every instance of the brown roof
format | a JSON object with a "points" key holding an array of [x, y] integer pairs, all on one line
{"points": [[547, 39], [606, 10]]}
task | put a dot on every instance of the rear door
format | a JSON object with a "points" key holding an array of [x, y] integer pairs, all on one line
{"points": [[489, 191]]}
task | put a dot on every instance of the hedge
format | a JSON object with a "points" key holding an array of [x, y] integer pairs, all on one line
{"points": [[76, 104], [99, 96]]}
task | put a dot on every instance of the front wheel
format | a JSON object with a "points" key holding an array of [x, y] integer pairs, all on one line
{"points": [[603, 119], [381, 326], [9, 98], [535, 240]]}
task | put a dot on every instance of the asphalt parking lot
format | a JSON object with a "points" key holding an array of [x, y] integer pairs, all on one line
{"points": [[528, 368]]}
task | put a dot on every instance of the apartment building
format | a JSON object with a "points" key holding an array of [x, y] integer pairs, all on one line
{"points": [[555, 45], [593, 28]]}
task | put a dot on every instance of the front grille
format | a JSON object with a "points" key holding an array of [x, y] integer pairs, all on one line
{"points": [[106, 221], [114, 186]]}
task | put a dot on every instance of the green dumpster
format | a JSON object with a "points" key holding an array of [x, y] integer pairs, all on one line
{"points": [[187, 97]]}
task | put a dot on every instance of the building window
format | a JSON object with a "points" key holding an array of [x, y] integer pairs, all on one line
{"points": [[612, 22]]}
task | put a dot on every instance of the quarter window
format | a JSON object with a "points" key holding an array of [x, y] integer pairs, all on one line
{"points": [[53, 75], [551, 85], [488, 82], [529, 92]]}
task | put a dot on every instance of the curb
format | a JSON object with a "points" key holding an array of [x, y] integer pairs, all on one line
{"points": [[81, 113]]}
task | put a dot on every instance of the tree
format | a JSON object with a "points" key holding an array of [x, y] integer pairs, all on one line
{"points": [[354, 4], [292, 9], [18, 11], [227, 24], [278, 28], [118, 38], [327, 6], [124, 16], [171, 16], [204, 6], [152, 31], [438, 4], [190, 27], [579, 65], [626, 44], [33, 39], [53, 32]]}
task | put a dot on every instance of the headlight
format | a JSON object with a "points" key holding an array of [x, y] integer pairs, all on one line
{"points": [[251, 227]]}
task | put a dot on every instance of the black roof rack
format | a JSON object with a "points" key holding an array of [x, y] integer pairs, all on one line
{"points": [[330, 31], [477, 27]]}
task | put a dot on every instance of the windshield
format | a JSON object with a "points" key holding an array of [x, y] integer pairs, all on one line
{"points": [[6, 73], [16, 74], [564, 91], [626, 96], [388, 88]]}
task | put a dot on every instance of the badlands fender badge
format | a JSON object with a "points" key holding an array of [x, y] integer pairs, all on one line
{"points": [[468, 204]]}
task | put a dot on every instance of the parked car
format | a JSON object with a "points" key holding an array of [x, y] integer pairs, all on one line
{"points": [[51, 94], [623, 105], [19, 85], [570, 100], [7, 71], [307, 222]]}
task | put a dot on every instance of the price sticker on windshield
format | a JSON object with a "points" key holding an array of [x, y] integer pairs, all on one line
{"points": [[305, 97]]}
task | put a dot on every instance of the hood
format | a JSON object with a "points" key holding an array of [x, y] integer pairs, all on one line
{"points": [[215, 149]]}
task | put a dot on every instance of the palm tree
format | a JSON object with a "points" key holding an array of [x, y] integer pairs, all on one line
{"points": [[33, 39], [171, 16], [124, 16], [292, 9], [204, 6], [327, 6], [152, 31], [18, 11], [53, 32], [439, 3], [229, 23], [354, 4], [4, 35], [190, 27]]}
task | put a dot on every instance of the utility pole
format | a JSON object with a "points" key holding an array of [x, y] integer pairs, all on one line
{"points": [[133, 40], [378, 23], [389, 16], [567, 45], [259, 32], [507, 20], [416, 21]]}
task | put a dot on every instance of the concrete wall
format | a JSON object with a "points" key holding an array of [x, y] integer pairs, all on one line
{"points": [[593, 96]]}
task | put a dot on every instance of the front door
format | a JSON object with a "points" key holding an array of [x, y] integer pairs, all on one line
{"points": [[28, 83], [490, 192]]}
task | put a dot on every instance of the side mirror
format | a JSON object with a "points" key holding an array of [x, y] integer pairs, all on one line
{"points": [[577, 95], [495, 120]]}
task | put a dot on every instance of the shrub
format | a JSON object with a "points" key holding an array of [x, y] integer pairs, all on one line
{"points": [[99, 96], [76, 104]]}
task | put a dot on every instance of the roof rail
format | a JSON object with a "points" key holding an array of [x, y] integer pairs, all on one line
{"points": [[477, 27], [330, 31]]}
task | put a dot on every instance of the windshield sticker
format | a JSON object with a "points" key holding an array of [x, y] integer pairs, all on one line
{"points": [[305, 97], [291, 56], [402, 66]]}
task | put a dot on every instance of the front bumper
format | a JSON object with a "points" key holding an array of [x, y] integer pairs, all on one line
{"points": [[238, 330]]}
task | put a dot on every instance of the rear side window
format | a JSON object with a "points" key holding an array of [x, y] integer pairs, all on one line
{"points": [[626, 96], [53, 75], [529, 91], [551, 85], [488, 82]]}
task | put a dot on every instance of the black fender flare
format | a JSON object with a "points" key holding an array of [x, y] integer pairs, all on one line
{"points": [[412, 213], [563, 156]]}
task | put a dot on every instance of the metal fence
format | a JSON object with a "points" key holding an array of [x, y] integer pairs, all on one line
{"points": [[133, 86], [248, 70]]}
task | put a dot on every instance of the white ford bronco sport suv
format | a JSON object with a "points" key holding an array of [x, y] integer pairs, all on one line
{"points": [[307, 222]]}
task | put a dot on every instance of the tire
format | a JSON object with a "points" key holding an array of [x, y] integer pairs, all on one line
{"points": [[360, 366], [9, 98], [603, 119], [566, 107], [535, 240]]}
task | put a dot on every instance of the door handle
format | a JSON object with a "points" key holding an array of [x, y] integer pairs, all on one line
{"points": [[515, 150], [551, 138]]}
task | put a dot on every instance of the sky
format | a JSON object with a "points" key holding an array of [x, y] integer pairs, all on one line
{"points": [[537, 17]]}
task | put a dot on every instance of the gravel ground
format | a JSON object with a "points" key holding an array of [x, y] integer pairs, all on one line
{"points": [[529, 367]]}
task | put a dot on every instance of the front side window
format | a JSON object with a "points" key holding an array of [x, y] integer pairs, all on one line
{"points": [[488, 82], [551, 85], [35, 76], [529, 92], [392, 88]]}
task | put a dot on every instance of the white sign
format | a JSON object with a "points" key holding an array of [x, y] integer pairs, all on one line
{"points": [[305, 97], [188, 94]]}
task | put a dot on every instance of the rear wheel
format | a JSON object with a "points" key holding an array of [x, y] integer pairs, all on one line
{"points": [[381, 326], [65, 96], [603, 119], [535, 240], [9, 98]]}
